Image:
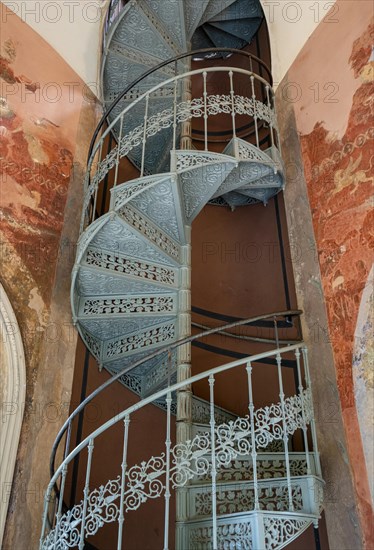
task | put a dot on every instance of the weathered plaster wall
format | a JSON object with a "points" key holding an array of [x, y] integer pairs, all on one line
{"points": [[325, 107], [363, 375], [45, 127], [55, 21]]}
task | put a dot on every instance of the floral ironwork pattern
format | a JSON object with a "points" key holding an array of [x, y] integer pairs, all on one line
{"points": [[187, 461], [280, 531], [185, 111], [130, 266], [234, 535]]}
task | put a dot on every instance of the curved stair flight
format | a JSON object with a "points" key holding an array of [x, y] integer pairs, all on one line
{"points": [[243, 485]]}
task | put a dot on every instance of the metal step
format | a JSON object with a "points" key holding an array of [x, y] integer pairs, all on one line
{"points": [[240, 531]]}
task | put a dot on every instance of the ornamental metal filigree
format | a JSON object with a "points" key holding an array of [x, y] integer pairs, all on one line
{"points": [[136, 342], [129, 305], [131, 267], [280, 531], [269, 420], [185, 111], [241, 469], [187, 461], [150, 231], [241, 498], [232, 535]]}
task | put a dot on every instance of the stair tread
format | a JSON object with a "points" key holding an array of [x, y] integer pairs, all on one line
{"points": [[219, 37], [136, 29], [171, 14], [124, 238], [193, 14], [239, 10], [159, 205], [244, 29], [214, 8]]}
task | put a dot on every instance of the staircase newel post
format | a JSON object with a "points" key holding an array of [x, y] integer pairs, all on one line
{"points": [[258, 531]]}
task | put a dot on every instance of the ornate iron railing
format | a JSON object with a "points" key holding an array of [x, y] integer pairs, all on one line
{"points": [[245, 95], [66, 429], [208, 457]]}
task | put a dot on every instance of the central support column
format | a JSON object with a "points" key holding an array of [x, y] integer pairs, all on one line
{"points": [[184, 396], [186, 139]]}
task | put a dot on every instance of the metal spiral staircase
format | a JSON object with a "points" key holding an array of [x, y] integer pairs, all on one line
{"points": [[238, 482]]}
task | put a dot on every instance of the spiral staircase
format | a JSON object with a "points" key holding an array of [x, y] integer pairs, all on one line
{"points": [[238, 482]]}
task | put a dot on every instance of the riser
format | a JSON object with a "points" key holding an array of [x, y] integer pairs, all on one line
{"points": [[239, 498], [268, 466], [243, 531]]}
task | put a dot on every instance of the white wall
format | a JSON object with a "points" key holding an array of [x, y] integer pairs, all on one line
{"points": [[290, 25], [72, 27]]}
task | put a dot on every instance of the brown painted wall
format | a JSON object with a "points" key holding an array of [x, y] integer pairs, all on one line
{"points": [[44, 126], [326, 99]]}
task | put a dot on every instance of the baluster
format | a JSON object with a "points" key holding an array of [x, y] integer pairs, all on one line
{"points": [[175, 110], [251, 64], [253, 436], [254, 109], [60, 501], [118, 151], [213, 461], [305, 428], [86, 493], [144, 134], [205, 112], [270, 111], [169, 366], [121, 518], [312, 422], [167, 473], [232, 103]]}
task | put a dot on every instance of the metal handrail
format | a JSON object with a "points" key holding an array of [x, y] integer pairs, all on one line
{"points": [[302, 406], [245, 337], [167, 348], [161, 393], [104, 167], [174, 60]]}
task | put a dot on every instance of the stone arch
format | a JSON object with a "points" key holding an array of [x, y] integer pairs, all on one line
{"points": [[12, 394]]}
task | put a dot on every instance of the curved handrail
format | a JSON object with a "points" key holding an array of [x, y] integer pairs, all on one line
{"points": [[298, 407], [137, 135], [245, 338], [167, 348], [162, 393], [174, 60]]}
